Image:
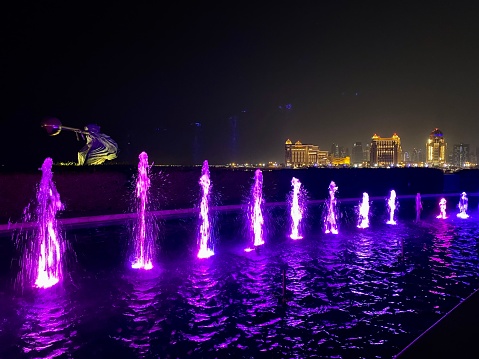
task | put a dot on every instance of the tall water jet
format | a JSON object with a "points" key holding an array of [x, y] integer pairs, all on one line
{"points": [[463, 203], [41, 263], [442, 209], [204, 236], [296, 209], [331, 222], [255, 210], [144, 230], [363, 218], [418, 207], [392, 205]]}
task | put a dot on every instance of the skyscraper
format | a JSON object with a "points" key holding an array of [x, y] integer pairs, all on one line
{"points": [[357, 153], [436, 149], [460, 155]]}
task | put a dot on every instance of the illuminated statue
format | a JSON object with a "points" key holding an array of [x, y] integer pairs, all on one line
{"points": [[98, 148]]}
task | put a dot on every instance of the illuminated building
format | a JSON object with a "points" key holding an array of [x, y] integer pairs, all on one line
{"points": [[385, 151], [367, 153], [341, 161], [357, 153], [436, 148], [460, 155], [304, 155]]}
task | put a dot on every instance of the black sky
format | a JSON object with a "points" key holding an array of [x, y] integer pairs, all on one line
{"points": [[319, 72]]}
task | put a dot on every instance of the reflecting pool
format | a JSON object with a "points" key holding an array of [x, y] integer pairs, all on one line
{"points": [[348, 295]]}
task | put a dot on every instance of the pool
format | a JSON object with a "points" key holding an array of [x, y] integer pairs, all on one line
{"points": [[349, 295]]}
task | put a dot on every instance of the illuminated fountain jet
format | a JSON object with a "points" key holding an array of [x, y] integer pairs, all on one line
{"points": [[41, 262], [255, 211], [204, 236], [144, 229], [463, 201], [296, 209], [331, 223], [392, 206], [418, 207], [442, 208], [363, 220]]}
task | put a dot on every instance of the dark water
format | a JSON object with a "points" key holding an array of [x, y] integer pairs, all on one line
{"points": [[349, 295]]}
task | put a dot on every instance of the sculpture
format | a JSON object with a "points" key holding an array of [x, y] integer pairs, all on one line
{"points": [[98, 148]]}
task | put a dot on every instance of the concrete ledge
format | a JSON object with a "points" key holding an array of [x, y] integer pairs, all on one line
{"points": [[453, 336]]}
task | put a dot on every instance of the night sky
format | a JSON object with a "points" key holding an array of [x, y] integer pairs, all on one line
{"points": [[189, 81]]}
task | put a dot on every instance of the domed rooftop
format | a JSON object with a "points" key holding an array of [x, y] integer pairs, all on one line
{"points": [[436, 133]]}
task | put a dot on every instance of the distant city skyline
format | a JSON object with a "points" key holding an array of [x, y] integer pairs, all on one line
{"points": [[194, 82]]}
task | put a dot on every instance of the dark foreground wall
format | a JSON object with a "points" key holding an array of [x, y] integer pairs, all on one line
{"points": [[99, 190]]}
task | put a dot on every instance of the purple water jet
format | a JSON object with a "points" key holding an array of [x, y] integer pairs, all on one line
{"points": [[418, 207], [392, 205], [463, 204], [331, 222], [442, 209], [144, 229], [296, 209], [204, 236], [363, 220], [255, 210], [41, 264]]}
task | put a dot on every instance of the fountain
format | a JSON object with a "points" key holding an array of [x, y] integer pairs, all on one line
{"points": [[463, 201], [354, 278], [144, 230], [255, 211], [363, 220], [418, 207], [41, 263], [331, 223], [442, 208], [204, 236], [297, 209], [392, 206]]}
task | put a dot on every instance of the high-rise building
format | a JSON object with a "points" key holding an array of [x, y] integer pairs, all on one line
{"points": [[357, 153], [460, 155], [304, 155], [417, 156], [436, 149], [335, 151], [367, 153], [385, 151]]}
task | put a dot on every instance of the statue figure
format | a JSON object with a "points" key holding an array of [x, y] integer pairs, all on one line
{"points": [[98, 148]]}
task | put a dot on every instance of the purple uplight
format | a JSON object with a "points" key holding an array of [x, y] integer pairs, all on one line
{"points": [[331, 223], [442, 208], [296, 209], [463, 204], [143, 235], [204, 239], [363, 220], [255, 209], [49, 247], [391, 207]]}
